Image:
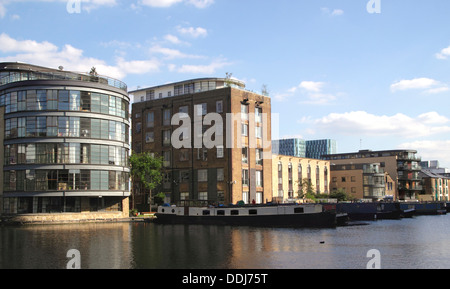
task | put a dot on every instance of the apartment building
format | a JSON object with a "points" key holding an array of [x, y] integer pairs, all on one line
{"points": [[435, 186], [362, 181], [65, 141], [401, 165], [290, 173], [214, 137]]}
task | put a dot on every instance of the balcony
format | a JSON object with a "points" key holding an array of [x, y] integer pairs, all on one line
{"points": [[7, 77]]}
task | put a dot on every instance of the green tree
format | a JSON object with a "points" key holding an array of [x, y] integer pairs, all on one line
{"points": [[146, 170], [340, 195], [307, 190]]}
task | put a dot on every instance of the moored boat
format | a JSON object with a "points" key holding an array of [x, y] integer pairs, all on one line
{"points": [[295, 215]]}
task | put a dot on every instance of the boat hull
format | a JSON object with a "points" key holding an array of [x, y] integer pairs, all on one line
{"points": [[314, 220]]}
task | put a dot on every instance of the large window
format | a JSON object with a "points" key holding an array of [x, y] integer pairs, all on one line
{"points": [[65, 153], [64, 180], [65, 100], [63, 126]]}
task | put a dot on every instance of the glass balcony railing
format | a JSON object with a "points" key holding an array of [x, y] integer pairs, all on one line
{"points": [[7, 77]]}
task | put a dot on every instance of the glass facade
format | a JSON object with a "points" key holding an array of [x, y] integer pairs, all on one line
{"points": [[66, 146]]}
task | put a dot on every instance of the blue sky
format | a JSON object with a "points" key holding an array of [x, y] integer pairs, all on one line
{"points": [[375, 81]]}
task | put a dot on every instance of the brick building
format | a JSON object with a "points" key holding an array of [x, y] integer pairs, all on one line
{"points": [[403, 166], [214, 137], [362, 181]]}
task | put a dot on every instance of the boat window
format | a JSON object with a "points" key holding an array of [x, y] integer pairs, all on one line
{"points": [[299, 210], [234, 212], [253, 212], [220, 213], [206, 212]]}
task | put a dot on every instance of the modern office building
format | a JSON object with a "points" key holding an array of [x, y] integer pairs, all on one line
{"points": [[401, 165], [291, 174], [296, 147], [66, 142], [316, 149], [214, 137]]}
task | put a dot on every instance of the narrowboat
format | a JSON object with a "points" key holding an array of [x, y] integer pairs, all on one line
{"points": [[426, 208], [295, 215]]}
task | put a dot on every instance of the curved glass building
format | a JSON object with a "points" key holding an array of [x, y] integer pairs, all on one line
{"points": [[65, 141]]}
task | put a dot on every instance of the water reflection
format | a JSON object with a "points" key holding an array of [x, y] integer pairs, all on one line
{"points": [[45, 247], [410, 243]]}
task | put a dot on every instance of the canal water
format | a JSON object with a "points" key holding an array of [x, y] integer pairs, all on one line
{"points": [[422, 242]]}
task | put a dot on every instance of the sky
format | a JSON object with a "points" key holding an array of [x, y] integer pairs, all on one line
{"points": [[370, 74]]}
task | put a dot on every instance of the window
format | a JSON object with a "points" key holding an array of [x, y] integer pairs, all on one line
{"points": [[63, 126], [166, 158], [258, 132], [41, 99], [31, 100], [74, 100], [52, 126], [343, 179], [259, 178], [245, 177], [150, 94], [184, 196], [245, 155], [166, 137], [63, 100], [244, 129], [85, 101], [166, 117], [149, 137], [184, 109], [150, 119], [259, 156], [138, 127], [203, 196], [220, 175], [178, 90], [220, 152], [202, 109], [244, 111], [95, 102], [202, 175], [258, 114], [219, 106]]}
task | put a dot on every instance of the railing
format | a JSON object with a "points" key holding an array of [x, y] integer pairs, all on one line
{"points": [[14, 76]]}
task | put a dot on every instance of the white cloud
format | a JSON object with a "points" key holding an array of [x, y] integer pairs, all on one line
{"points": [[170, 53], [431, 150], [201, 3], [160, 3], [194, 32], [168, 3], [312, 90], [428, 85], [200, 69], [86, 5], [71, 58], [401, 125], [444, 54], [172, 39], [334, 12]]}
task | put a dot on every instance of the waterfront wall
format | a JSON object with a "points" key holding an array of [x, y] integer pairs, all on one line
{"points": [[63, 218]]}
